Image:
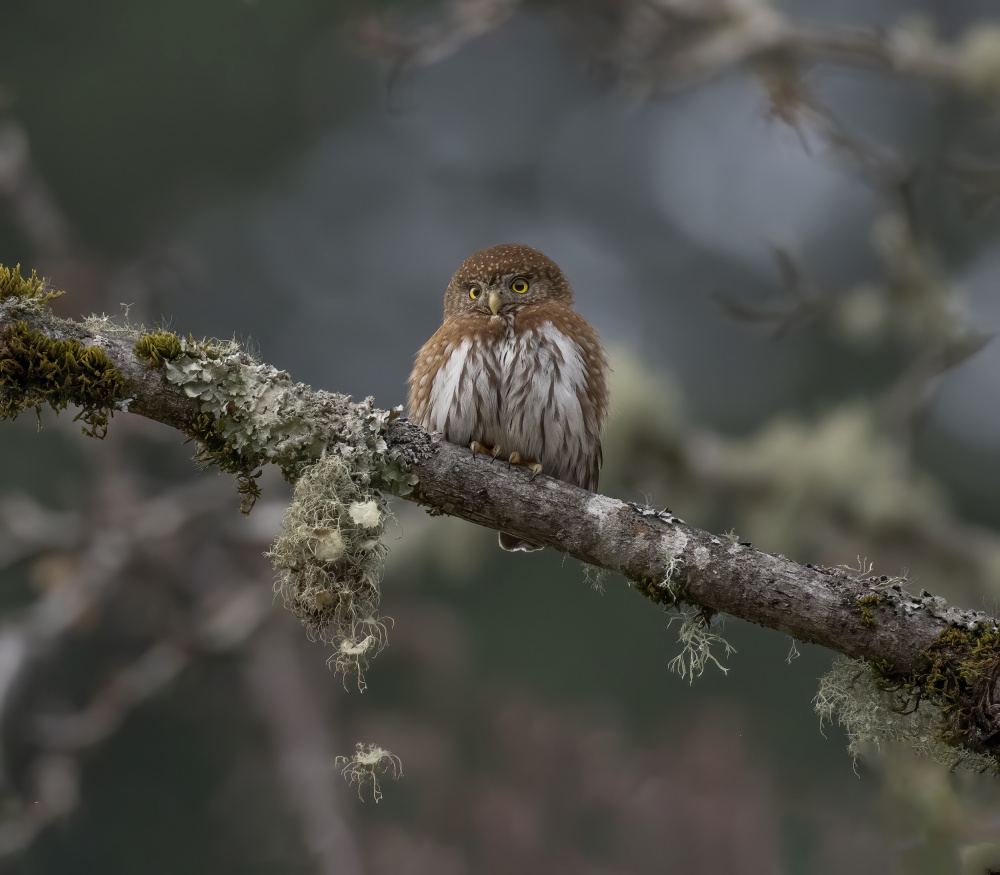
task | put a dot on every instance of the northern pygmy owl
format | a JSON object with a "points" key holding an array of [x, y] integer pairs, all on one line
{"points": [[513, 371]]}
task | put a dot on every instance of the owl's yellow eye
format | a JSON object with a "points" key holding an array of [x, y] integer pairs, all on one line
{"points": [[519, 285], [475, 292]]}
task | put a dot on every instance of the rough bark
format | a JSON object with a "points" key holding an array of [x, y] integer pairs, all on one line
{"points": [[811, 603]]}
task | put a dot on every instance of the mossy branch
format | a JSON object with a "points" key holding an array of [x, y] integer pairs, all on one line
{"points": [[245, 414]]}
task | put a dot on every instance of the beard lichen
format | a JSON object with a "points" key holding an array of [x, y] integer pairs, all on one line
{"points": [[697, 640], [694, 634], [942, 709], [329, 557], [366, 764], [37, 370]]}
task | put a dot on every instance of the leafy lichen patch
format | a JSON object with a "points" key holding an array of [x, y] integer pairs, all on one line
{"points": [[329, 559], [253, 414], [262, 412], [37, 370]]}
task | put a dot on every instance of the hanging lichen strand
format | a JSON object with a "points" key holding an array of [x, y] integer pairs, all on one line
{"points": [[329, 559]]}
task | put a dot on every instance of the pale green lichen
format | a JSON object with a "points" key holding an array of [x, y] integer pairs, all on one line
{"points": [[697, 642], [393, 476], [263, 413], [105, 326], [253, 414], [329, 555], [595, 576], [793, 651], [329, 559], [366, 764]]}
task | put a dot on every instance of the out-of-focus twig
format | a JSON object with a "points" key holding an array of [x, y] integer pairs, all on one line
{"points": [[33, 207], [410, 49], [653, 46], [82, 589]]}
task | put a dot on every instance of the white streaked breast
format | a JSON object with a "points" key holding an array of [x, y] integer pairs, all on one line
{"points": [[541, 414]]}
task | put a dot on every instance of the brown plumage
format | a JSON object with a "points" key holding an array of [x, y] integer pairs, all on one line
{"points": [[514, 371]]}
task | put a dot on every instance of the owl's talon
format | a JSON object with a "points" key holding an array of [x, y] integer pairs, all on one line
{"points": [[515, 458], [484, 450]]}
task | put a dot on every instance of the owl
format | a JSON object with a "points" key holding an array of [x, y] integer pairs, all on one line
{"points": [[514, 372]]}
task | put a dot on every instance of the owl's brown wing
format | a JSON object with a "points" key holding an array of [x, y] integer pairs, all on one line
{"points": [[456, 383], [432, 357]]}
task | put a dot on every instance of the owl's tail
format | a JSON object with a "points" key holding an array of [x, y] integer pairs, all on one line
{"points": [[514, 544]]}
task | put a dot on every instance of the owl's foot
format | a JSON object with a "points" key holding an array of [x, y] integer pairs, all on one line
{"points": [[492, 452], [535, 467]]}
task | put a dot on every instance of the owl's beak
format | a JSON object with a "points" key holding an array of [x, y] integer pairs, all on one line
{"points": [[493, 301]]}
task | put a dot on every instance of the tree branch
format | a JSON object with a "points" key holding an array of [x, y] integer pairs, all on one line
{"points": [[916, 645]]}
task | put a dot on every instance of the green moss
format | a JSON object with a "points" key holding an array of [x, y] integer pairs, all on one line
{"points": [[158, 347], [36, 370], [214, 449], [867, 606], [651, 589], [13, 285], [961, 661], [956, 675]]}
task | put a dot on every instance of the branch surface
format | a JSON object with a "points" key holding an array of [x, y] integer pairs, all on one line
{"points": [[667, 560]]}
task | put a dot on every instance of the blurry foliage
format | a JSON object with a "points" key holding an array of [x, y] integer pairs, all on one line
{"points": [[198, 90]]}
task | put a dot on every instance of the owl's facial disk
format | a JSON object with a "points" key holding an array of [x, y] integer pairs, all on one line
{"points": [[502, 279], [502, 295]]}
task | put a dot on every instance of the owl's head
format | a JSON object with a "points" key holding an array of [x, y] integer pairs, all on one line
{"points": [[504, 278]]}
